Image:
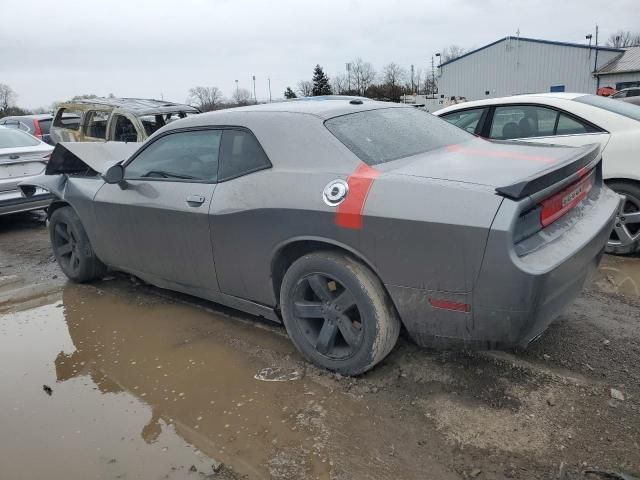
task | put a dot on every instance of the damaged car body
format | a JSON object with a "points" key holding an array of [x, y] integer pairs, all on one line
{"points": [[342, 219], [114, 119]]}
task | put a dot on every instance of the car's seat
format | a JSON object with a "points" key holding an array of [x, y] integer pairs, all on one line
{"points": [[524, 125], [511, 130]]}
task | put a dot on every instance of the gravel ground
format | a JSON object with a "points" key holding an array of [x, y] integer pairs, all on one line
{"points": [[566, 405]]}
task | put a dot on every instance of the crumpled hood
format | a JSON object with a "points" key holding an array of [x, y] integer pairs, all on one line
{"points": [[76, 157]]}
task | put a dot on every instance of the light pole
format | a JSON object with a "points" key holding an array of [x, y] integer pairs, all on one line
{"points": [[255, 99], [433, 78], [237, 91], [269, 80], [348, 65], [412, 87]]}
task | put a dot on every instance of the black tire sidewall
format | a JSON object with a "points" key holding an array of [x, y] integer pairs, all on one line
{"points": [[370, 300], [631, 190], [89, 267]]}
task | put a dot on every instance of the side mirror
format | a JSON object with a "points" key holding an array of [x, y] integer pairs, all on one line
{"points": [[115, 174]]}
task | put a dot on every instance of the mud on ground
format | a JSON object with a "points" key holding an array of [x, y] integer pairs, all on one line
{"points": [[122, 380]]}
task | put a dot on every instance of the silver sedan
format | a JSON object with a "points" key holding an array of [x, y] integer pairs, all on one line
{"points": [[22, 156]]}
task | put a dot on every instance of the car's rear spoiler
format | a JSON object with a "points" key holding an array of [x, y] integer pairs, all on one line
{"points": [[87, 157], [583, 160]]}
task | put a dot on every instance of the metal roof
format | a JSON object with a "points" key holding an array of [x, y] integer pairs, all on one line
{"points": [[532, 40], [629, 61], [139, 106]]}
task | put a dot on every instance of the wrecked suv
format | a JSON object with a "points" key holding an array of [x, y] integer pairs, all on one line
{"points": [[115, 119]]}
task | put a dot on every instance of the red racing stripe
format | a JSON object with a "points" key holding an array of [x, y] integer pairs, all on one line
{"points": [[349, 212]]}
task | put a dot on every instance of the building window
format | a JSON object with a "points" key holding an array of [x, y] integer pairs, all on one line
{"points": [[556, 88]]}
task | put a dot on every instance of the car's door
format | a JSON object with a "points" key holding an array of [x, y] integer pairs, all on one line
{"points": [[542, 124], [155, 225]]}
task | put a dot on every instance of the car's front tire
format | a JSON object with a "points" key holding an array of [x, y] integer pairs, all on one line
{"points": [[337, 312], [625, 238], [72, 248]]}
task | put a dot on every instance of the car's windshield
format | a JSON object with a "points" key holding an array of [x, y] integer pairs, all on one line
{"points": [[612, 105], [10, 138], [379, 136]]}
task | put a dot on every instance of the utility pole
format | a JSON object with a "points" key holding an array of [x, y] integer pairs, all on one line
{"points": [[348, 65], [433, 78], [595, 66], [255, 99], [237, 91], [412, 86], [269, 80]]}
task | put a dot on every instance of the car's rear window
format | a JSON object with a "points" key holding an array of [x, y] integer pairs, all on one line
{"points": [[386, 134], [612, 105], [11, 138]]}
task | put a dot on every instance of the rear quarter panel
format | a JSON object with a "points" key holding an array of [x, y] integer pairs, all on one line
{"points": [[428, 234]]}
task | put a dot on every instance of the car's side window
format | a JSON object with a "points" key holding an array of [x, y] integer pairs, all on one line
{"points": [[189, 155], [522, 121], [633, 93], [68, 119], [466, 119], [240, 154], [96, 124], [571, 126]]}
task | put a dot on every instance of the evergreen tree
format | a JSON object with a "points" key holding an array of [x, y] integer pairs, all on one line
{"points": [[321, 85], [288, 93]]}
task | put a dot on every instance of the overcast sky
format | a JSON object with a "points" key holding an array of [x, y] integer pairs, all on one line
{"points": [[141, 48]]}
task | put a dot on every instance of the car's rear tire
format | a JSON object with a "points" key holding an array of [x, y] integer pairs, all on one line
{"points": [[625, 237], [337, 312], [72, 248]]}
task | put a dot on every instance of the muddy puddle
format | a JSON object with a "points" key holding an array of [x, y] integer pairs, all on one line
{"points": [[142, 388], [619, 275]]}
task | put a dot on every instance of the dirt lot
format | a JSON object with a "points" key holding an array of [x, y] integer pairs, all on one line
{"points": [[122, 380]]}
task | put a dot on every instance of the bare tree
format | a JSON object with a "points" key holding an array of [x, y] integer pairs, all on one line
{"points": [[393, 77], [340, 84], [242, 96], [207, 98], [451, 52], [362, 75], [622, 38], [305, 88], [429, 85], [7, 97], [417, 80]]}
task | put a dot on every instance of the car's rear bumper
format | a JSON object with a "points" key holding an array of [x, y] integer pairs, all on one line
{"points": [[514, 298], [14, 202]]}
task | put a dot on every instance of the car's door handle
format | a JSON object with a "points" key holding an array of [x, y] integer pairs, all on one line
{"points": [[195, 200]]}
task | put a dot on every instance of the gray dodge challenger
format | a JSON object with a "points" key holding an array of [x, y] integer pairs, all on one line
{"points": [[344, 219]]}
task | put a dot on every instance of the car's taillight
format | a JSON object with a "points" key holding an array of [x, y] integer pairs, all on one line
{"points": [[560, 203], [37, 132], [552, 208]]}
